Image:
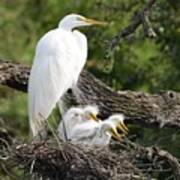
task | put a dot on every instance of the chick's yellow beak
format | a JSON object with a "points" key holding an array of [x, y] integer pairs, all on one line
{"points": [[115, 134], [122, 127], [93, 117], [94, 22]]}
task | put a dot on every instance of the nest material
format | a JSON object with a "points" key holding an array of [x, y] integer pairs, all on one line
{"points": [[64, 161], [70, 162]]}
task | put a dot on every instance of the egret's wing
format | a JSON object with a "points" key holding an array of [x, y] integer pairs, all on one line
{"points": [[84, 132], [100, 138], [81, 42], [50, 77]]}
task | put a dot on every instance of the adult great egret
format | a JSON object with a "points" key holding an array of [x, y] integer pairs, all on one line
{"points": [[60, 56]]}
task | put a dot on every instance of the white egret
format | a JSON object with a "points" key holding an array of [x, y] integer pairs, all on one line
{"points": [[79, 123], [91, 112], [108, 129], [83, 127], [60, 56], [118, 121]]}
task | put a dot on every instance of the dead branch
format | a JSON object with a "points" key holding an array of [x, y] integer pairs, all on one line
{"points": [[165, 155], [139, 18], [14, 75], [158, 110]]}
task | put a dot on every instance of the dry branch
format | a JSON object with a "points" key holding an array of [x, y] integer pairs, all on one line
{"points": [[160, 159], [140, 18], [171, 160], [159, 110]]}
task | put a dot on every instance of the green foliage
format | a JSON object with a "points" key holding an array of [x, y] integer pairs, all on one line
{"points": [[137, 64]]}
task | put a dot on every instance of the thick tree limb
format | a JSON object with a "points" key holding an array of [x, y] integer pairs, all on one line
{"points": [[14, 75], [159, 110]]}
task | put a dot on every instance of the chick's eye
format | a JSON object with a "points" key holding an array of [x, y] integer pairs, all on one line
{"points": [[76, 115]]}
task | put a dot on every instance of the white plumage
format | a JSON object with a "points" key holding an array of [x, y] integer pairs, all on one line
{"points": [[80, 124], [108, 129], [83, 128], [60, 56]]}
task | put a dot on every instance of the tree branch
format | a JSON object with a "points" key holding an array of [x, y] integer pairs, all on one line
{"points": [[139, 18], [14, 75], [155, 154], [159, 110]]}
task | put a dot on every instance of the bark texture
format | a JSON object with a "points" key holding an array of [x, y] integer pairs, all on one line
{"points": [[159, 110]]}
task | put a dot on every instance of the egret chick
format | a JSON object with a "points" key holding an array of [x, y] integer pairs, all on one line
{"points": [[118, 121], [79, 123], [108, 129], [91, 112], [72, 117], [103, 134]]}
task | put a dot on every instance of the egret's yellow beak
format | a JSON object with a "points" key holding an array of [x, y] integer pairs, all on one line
{"points": [[122, 127], [115, 134], [94, 22], [93, 117]]}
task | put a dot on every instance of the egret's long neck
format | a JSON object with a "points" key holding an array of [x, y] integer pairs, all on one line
{"points": [[66, 26]]}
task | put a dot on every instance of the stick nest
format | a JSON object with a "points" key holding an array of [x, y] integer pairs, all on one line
{"points": [[72, 162], [58, 160]]}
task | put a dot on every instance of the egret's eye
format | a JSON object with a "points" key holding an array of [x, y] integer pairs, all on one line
{"points": [[80, 18]]}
